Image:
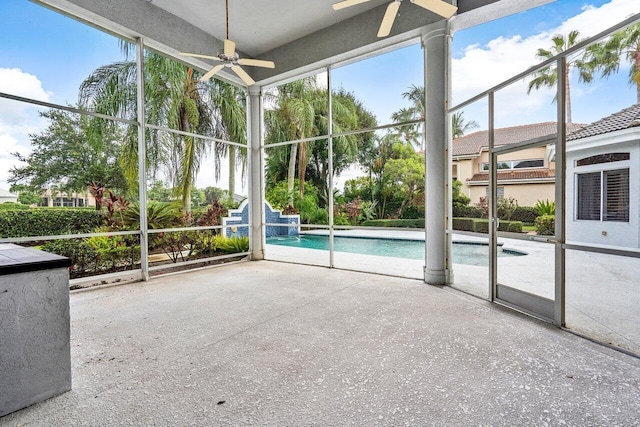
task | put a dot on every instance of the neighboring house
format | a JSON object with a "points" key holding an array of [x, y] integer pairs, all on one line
{"points": [[71, 200], [6, 196], [526, 175], [603, 181]]}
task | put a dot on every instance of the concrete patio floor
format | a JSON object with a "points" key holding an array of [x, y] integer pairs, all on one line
{"points": [[268, 343]]}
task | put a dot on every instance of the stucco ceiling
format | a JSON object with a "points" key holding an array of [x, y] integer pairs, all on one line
{"points": [[299, 35], [258, 26]]}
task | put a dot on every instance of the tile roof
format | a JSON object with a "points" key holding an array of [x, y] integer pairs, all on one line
{"points": [[523, 175], [624, 119], [474, 142]]}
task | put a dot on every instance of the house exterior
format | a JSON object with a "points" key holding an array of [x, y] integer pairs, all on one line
{"points": [[603, 181], [7, 196], [527, 175], [70, 200]]}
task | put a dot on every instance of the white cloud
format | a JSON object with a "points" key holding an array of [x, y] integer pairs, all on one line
{"points": [[18, 119], [482, 67]]}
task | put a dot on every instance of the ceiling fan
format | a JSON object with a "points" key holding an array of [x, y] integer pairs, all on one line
{"points": [[230, 59], [440, 7]]}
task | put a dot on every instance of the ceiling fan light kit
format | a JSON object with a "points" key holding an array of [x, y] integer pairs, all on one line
{"points": [[230, 59], [440, 7]]}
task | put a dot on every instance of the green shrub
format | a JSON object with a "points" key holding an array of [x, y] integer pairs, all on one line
{"points": [[511, 226], [83, 257], [404, 223], [10, 206], [466, 212], [463, 224], [48, 221], [545, 207], [481, 225], [232, 245], [515, 227], [546, 225], [159, 215], [526, 214]]}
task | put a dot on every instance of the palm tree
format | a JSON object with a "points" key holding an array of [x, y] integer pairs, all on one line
{"points": [[412, 134], [175, 99], [460, 126], [548, 76], [607, 56], [292, 119]]}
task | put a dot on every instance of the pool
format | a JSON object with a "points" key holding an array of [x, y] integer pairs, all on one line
{"points": [[470, 253]]}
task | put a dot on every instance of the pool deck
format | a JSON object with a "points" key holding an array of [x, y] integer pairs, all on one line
{"points": [[273, 344], [602, 293]]}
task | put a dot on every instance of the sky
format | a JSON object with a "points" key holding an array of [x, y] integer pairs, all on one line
{"points": [[45, 56]]}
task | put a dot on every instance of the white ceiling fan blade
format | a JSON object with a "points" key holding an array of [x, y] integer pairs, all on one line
{"points": [[198, 55], [229, 48], [211, 72], [347, 3], [440, 7], [243, 75], [257, 63], [389, 17]]}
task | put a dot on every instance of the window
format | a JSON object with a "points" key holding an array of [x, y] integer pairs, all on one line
{"points": [[612, 187], [500, 193], [515, 164], [603, 158]]}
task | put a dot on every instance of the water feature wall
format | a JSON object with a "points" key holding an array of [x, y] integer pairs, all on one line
{"points": [[240, 216]]}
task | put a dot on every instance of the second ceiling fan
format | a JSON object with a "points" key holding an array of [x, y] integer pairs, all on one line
{"points": [[230, 59], [440, 7]]}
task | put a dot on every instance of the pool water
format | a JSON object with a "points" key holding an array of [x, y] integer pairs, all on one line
{"points": [[470, 253]]}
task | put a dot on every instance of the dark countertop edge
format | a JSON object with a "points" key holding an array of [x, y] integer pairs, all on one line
{"points": [[40, 265]]}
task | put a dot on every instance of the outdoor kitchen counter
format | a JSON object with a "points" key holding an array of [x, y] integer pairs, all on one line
{"points": [[35, 361]]}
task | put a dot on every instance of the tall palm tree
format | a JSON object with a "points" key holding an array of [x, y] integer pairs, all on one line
{"points": [[175, 99], [412, 134], [548, 76], [292, 119], [608, 55], [460, 126]]}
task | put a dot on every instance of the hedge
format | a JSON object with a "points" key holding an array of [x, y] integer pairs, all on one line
{"points": [[526, 214], [482, 225], [48, 221], [466, 212], [463, 224], [405, 223]]}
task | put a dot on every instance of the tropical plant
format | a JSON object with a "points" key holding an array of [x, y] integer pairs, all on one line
{"points": [[175, 99], [548, 76], [545, 207], [159, 215]]}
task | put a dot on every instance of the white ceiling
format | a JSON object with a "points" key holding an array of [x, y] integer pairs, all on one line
{"points": [[258, 26], [299, 35]]}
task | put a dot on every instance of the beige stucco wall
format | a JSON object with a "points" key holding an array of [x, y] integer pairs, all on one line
{"points": [[527, 194]]}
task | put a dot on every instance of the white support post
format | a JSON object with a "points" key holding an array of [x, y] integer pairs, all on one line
{"points": [[142, 163], [256, 172], [436, 82]]}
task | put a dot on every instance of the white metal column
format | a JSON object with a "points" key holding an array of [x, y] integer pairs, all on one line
{"points": [[142, 163], [436, 83], [256, 174]]}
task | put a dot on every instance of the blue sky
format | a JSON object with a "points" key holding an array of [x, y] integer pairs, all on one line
{"points": [[39, 59]]}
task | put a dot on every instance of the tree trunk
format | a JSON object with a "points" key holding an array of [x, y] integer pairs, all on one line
{"points": [[567, 93], [232, 171], [291, 173]]}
